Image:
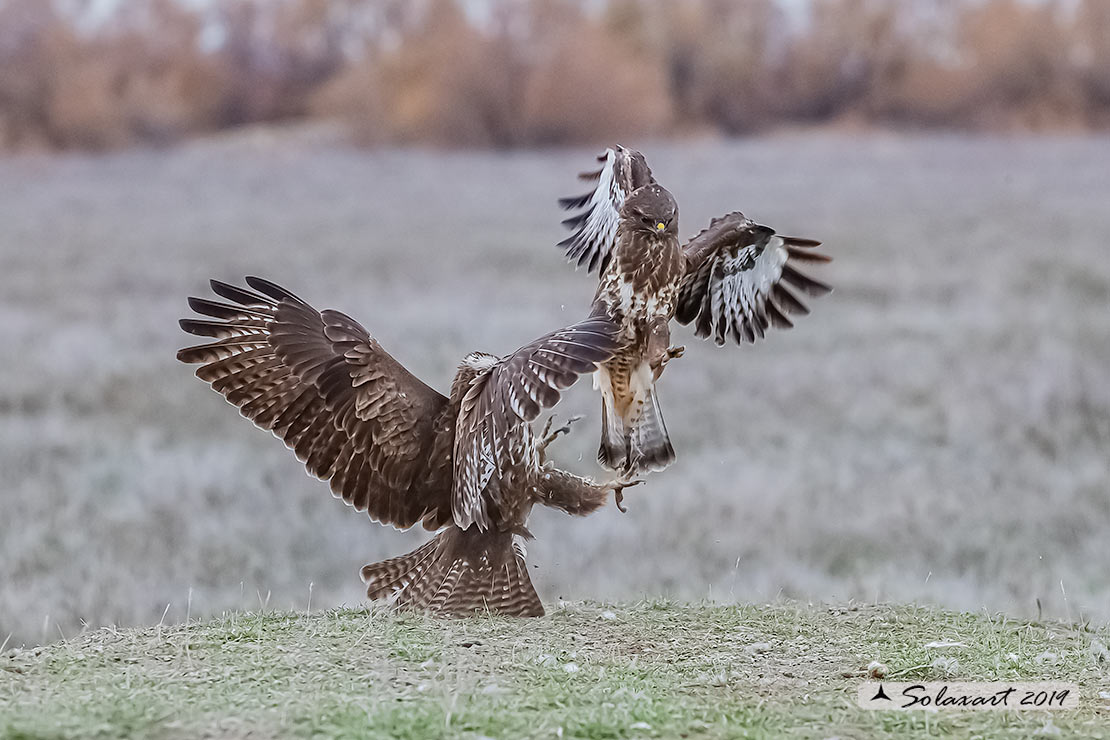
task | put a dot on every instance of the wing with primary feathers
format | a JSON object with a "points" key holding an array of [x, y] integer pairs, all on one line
{"points": [[595, 225], [492, 432], [737, 280], [352, 414]]}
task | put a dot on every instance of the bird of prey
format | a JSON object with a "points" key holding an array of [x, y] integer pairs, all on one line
{"points": [[467, 465], [732, 280]]}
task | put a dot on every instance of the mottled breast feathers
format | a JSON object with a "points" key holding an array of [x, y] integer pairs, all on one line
{"points": [[737, 277]]}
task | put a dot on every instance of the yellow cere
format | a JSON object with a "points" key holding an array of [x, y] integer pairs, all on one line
{"points": [[660, 226]]}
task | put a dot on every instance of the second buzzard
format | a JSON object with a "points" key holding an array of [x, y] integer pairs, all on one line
{"points": [[730, 281]]}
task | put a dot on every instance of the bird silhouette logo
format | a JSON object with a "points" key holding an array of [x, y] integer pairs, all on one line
{"points": [[880, 694]]}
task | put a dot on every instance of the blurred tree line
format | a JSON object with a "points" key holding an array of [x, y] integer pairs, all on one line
{"points": [[506, 73]]}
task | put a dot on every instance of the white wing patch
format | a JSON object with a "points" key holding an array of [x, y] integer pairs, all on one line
{"points": [[595, 226], [740, 289], [736, 289]]}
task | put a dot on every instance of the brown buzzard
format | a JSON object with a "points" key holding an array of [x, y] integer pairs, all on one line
{"points": [[467, 465], [730, 281]]}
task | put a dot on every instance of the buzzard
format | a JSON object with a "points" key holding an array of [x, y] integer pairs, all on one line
{"points": [[732, 280], [467, 465]]}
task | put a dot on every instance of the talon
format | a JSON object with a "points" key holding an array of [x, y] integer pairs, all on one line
{"points": [[547, 426], [618, 493], [670, 354], [549, 436]]}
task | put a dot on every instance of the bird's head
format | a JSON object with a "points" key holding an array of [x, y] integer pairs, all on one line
{"points": [[650, 210]]}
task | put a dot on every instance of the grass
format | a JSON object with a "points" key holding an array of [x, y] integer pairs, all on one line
{"points": [[651, 669]]}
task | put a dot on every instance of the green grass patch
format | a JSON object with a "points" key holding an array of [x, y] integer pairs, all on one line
{"points": [[604, 672]]}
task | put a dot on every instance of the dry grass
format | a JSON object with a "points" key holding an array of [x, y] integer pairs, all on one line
{"points": [[503, 73], [936, 431]]}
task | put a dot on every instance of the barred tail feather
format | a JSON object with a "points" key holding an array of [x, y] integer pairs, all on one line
{"points": [[457, 573], [651, 449], [512, 591], [613, 452]]}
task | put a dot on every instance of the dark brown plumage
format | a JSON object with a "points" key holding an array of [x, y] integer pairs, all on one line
{"points": [[391, 446], [732, 280]]}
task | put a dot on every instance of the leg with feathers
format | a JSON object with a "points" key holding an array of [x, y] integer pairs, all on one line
{"points": [[634, 438], [650, 446]]}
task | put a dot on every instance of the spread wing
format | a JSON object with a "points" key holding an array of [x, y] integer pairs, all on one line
{"points": [[737, 280], [493, 433], [351, 413], [595, 225]]}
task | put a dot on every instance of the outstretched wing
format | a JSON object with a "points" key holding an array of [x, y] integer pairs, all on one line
{"points": [[493, 434], [351, 413], [737, 277], [595, 225]]}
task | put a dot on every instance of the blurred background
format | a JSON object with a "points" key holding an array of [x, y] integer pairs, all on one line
{"points": [[101, 74], [938, 430]]}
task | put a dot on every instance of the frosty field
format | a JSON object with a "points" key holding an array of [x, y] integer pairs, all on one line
{"points": [[938, 430]]}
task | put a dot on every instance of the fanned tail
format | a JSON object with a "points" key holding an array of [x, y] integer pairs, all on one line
{"points": [[458, 572]]}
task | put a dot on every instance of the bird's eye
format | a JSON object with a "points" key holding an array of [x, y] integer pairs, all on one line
{"points": [[646, 219]]}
